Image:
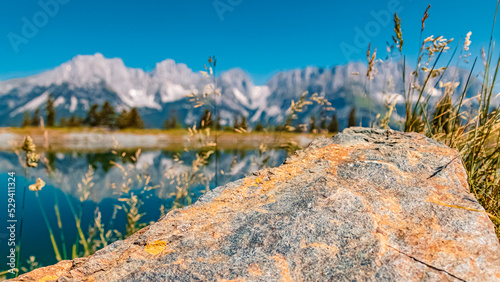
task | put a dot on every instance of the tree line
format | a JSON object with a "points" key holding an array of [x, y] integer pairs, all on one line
{"points": [[240, 122], [108, 117], [104, 117]]}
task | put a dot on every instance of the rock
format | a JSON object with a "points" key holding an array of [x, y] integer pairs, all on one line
{"points": [[368, 204]]}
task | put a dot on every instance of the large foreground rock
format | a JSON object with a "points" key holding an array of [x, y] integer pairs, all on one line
{"points": [[365, 205]]}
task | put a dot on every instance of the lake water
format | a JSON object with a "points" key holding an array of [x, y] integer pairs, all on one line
{"points": [[153, 178]]}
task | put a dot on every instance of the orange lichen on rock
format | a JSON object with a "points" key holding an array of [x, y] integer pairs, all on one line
{"points": [[155, 247], [50, 273], [48, 278], [254, 270], [322, 246], [282, 265]]}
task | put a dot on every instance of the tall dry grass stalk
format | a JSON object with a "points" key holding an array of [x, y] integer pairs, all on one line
{"points": [[469, 124], [370, 74]]}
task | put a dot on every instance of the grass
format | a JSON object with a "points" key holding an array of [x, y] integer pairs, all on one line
{"points": [[471, 128], [470, 125], [171, 132], [135, 186]]}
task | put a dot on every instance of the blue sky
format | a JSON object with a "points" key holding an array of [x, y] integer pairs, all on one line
{"points": [[261, 37]]}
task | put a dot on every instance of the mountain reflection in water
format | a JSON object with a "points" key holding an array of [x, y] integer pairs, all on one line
{"points": [[65, 189]]}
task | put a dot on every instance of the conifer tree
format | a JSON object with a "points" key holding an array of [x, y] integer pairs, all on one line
{"points": [[107, 115], [205, 120], [173, 122], [51, 112], [323, 114], [63, 122], [26, 120], [35, 121], [287, 125], [218, 126], [134, 119], [333, 127], [323, 124], [166, 124], [243, 123], [92, 119], [352, 118], [236, 123], [170, 123], [122, 120], [74, 121], [259, 127], [312, 124]]}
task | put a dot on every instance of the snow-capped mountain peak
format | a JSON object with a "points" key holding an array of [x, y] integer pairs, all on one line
{"points": [[94, 79]]}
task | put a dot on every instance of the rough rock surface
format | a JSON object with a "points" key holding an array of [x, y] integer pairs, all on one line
{"points": [[366, 205]]}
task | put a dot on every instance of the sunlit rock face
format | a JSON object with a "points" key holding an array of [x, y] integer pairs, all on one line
{"points": [[367, 205]]}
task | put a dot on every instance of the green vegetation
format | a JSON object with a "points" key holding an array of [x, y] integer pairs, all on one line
{"points": [[171, 123], [352, 118], [333, 127], [73, 121], [35, 121], [471, 128], [259, 127], [470, 125], [51, 112], [26, 120], [106, 117], [122, 120], [206, 120], [36, 118], [312, 125], [92, 118], [240, 123], [133, 119]]}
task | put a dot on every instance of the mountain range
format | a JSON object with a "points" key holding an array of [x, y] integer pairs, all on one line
{"points": [[161, 93]]}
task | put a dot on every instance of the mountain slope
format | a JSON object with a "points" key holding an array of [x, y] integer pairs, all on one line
{"points": [[159, 94]]}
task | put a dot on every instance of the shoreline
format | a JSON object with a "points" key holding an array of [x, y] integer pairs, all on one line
{"points": [[94, 139]]}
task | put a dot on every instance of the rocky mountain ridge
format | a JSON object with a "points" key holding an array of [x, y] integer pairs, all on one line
{"points": [[159, 94]]}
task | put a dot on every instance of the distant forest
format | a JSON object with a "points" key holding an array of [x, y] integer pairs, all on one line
{"points": [[107, 117]]}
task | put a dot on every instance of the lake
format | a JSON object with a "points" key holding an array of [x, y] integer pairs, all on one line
{"points": [[111, 193]]}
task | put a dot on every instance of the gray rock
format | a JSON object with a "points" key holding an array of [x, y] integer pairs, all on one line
{"points": [[367, 205]]}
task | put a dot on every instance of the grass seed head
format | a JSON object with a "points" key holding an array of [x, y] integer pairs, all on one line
{"points": [[28, 145], [425, 17], [399, 34], [39, 184]]}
